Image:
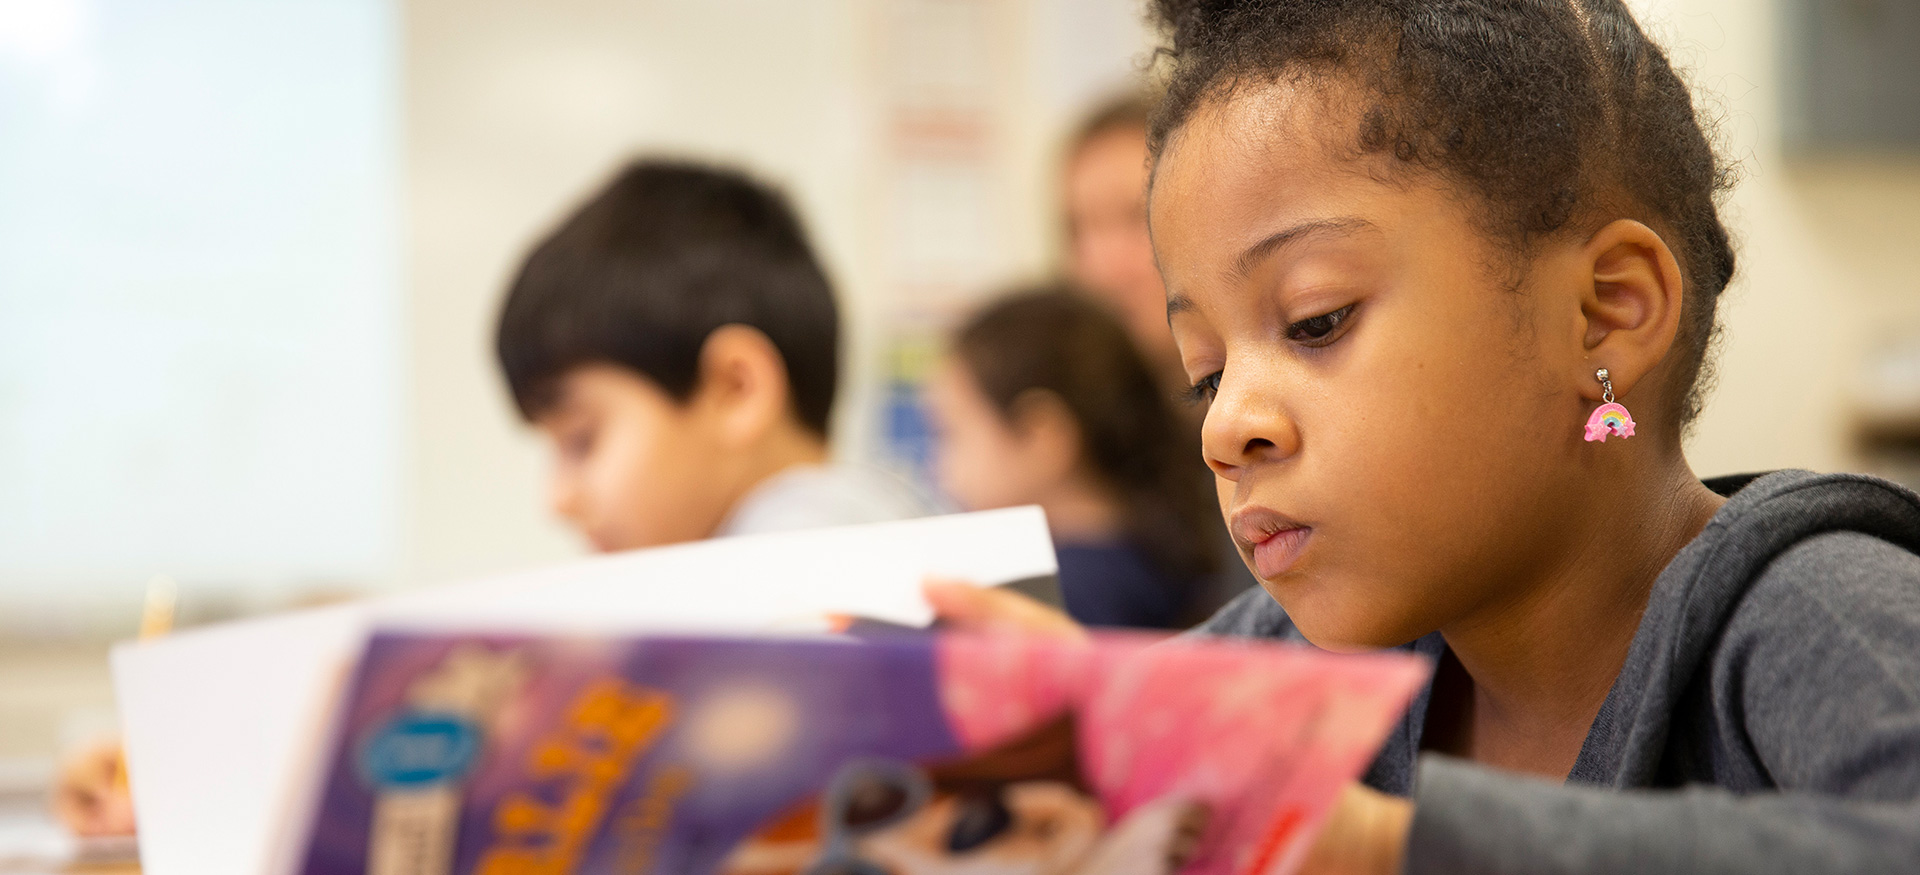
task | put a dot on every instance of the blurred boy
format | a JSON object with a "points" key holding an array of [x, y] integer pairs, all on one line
{"points": [[678, 344]]}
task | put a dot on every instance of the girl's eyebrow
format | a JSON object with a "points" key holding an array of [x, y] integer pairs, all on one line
{"points": [[1253, 255], [1281, 239]]}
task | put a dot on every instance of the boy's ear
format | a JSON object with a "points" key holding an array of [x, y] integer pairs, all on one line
{"points": [[1630, 311], [742, 383]]}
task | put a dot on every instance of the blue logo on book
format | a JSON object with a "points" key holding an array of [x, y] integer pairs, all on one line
{"points": [[418, 750]]}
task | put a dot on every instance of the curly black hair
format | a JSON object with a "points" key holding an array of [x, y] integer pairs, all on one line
{"points": [[1559, 114]]}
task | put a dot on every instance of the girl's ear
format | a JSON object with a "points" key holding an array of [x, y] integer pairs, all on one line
{"points": [[1631, 309]]}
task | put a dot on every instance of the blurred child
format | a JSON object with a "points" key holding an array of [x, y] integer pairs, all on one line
{"points": [[678, 344], [1103, 199], [1045, 400], [1445, 274]]}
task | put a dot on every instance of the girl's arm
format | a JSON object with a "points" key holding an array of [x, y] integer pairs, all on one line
{"points": [[1469, 819], [1807, 716]]}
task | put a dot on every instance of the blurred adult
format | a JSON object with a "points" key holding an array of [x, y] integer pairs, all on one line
{"points": [[1104, 199]]}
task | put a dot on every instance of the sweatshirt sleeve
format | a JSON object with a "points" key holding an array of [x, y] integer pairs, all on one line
{"points": [[1814, 690], [1473, 820]]}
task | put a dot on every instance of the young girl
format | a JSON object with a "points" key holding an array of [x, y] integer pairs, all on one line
{"points": [[1045, 400], [1445, 274]]}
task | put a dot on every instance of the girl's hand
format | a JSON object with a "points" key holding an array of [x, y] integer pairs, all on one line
{"points": [[968, 608], [1366, 834], [1158, 838]]}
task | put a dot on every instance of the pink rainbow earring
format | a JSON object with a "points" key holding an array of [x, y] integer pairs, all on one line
{"points": [[1609, 417]]}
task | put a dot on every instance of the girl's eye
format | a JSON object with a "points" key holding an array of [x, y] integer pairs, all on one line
{"points": [[1203, 391], [1319, 330]]}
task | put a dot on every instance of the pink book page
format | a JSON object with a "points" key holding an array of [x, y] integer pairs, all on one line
{"points": [[1264, 735]]}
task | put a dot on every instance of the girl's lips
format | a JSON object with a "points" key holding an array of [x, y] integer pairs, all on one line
{"points": [[1276, 553]]}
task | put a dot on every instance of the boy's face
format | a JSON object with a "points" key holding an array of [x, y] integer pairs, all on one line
{"points": [[1393, 433], [631, 466]]}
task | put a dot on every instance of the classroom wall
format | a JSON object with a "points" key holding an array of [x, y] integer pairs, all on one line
{"points": [[1829, 269]]}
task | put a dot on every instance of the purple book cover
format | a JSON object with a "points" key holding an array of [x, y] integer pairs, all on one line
{"points": [[902, 755]]}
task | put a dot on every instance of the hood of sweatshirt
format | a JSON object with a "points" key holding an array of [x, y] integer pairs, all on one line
{"points": [[1696, 595]]}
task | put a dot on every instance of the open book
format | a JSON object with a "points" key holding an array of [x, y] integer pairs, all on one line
{"points": [[902, 754], [225, 725]]}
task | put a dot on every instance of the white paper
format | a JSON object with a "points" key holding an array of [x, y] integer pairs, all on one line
{"points": [[224, 725]]}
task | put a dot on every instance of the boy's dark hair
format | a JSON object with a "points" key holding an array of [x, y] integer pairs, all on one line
{"points": [[646, 270], [1057, 339], [1558, 113]]}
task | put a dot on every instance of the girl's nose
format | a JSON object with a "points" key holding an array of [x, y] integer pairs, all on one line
{"points": [[1246, 425]]}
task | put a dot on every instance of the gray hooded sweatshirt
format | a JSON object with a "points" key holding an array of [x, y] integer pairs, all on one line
{"points": [[1767, 718]]}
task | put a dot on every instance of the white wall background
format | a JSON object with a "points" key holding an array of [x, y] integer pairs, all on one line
{"points": [[1829, 255]]}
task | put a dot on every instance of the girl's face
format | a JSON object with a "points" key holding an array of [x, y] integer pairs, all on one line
{"points": [[983, 461], [1392, 449]]}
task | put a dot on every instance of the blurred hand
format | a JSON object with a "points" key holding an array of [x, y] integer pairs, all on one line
{"points": [[91, 797], [968, 608], [1157, 838], [1365, 834]]}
